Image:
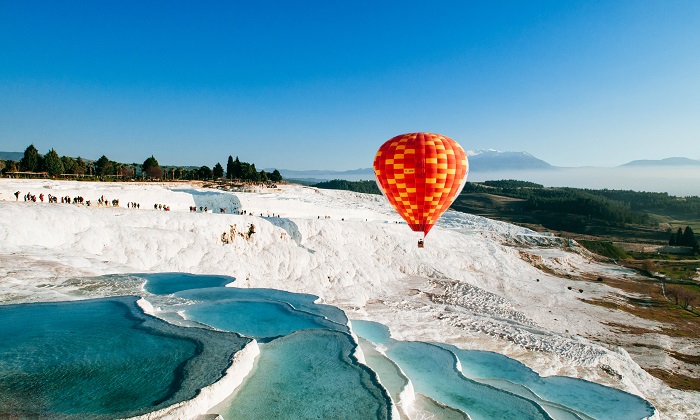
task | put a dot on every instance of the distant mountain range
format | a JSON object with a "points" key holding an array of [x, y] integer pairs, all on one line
{"points": [[479, 161], [484, 161], [493, 160], [11, 155], [672, 161]]}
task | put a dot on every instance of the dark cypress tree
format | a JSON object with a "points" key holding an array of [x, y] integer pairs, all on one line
{"points": [[275, 176], [688, 237], [54, 165], [31, 161], [237, 169], [672, 241], [229, 167], [218, 171], [679, 237]]}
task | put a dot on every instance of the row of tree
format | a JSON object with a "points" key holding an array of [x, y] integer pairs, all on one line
{"points": [[572, 201], [368, 187], [684, 238], [32, 161], [635, 201], [53, 165], [593, 204]]}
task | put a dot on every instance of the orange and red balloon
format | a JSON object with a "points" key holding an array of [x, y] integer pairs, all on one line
{"points": [[421, 174]]}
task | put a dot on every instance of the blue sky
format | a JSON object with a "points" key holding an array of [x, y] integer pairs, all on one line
{"points": [[322, 84]]}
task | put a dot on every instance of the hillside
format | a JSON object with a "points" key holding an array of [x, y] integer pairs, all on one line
{"points": [[616, 215]]}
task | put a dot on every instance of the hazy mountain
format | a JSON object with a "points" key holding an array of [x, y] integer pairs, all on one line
{"points": [[493, 160], [668, 162], [325, 175], [479, 161], [11, 156]]}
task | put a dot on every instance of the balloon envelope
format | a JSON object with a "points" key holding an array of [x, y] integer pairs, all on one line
{"points": [[421, 174]]}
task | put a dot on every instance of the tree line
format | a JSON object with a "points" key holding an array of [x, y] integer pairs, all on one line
{"points": [[617, 206], [634, 200], [368, 187], [684, 238], [53, 165]]}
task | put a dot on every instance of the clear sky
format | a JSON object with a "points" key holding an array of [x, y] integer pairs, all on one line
{"points": [[322, 84]]}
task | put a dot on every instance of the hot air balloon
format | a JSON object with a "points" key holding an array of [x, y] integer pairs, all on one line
{"points": [[421, 174]]}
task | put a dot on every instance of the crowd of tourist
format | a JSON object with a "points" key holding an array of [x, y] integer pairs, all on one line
{"points": [[101, 201]]}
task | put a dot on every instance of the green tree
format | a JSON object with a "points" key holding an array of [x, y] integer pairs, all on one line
{"points": [[54, 165], [80, 166], [12, 166], [104, 166], [42, 164], [263, 176], [275, 176], [688, 237], [218, 171], [229, 167], [31, 161], [204, 172], [68, 165], [152, 168], [237, 169], [251, 174], [679, 237], [2, 166]]}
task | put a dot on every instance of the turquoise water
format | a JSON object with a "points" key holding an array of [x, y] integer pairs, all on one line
{"points": [[431, 368], [308, 375], [372, 331], [168, 283], [305, 369], [96, 358], [590, 398], [298, 301], [257, 319], [104, 358], [433, 373]]}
